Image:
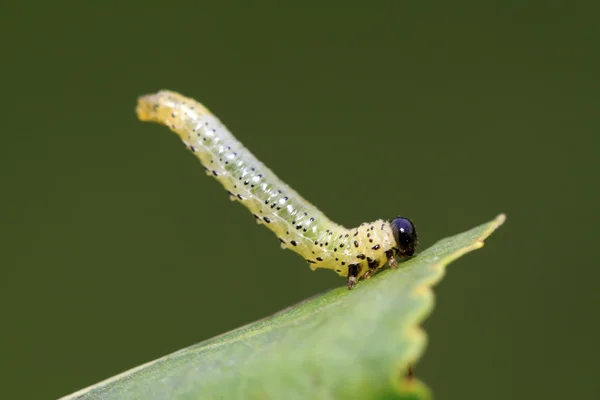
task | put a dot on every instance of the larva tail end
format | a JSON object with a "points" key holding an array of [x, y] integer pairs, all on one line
{"points": [[162, 106], [148, 107]]}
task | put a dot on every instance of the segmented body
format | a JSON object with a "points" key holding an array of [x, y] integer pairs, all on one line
{"points": [[298, 224]]}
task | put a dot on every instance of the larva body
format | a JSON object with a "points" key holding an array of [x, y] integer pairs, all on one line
{"points": [[299, 225]]}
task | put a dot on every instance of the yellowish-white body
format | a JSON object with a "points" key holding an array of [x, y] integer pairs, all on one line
{"points": [[299, 225]]}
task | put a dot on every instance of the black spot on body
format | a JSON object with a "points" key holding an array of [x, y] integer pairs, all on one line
{"points": [[355, 243], [376, 247], [293, 242], [360, 256], [319, 259], [267, 220]]}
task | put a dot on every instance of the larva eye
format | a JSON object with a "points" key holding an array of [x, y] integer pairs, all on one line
{"points": [[405, 235]]}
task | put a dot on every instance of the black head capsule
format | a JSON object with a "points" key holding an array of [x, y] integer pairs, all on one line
{"points": [[405, 235]]}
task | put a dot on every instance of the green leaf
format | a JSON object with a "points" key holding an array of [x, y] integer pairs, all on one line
{"points": [[343, 344]]}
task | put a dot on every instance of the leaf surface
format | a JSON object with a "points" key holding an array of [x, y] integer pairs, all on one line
{"points": [[342, 344]]}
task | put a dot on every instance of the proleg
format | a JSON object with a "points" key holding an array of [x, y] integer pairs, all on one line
{"points": [[353, 253]]}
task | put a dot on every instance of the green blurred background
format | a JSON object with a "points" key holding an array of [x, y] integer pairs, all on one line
{"points": [[117, 249]]}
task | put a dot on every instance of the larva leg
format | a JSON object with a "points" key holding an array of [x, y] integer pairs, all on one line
{"points": [[391, 258], [353, 270], [373, 265], [369, 274]]}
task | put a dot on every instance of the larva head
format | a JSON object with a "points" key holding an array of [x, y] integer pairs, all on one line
{"points": [[406, 236]]}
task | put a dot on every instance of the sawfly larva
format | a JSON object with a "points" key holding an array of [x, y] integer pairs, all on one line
{"points": [[354, 253]]}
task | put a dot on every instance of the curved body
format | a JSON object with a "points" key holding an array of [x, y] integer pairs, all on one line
{"points": [[299, 225]]}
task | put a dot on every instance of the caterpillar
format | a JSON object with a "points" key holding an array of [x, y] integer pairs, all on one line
{"points": [[354, 253]]}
